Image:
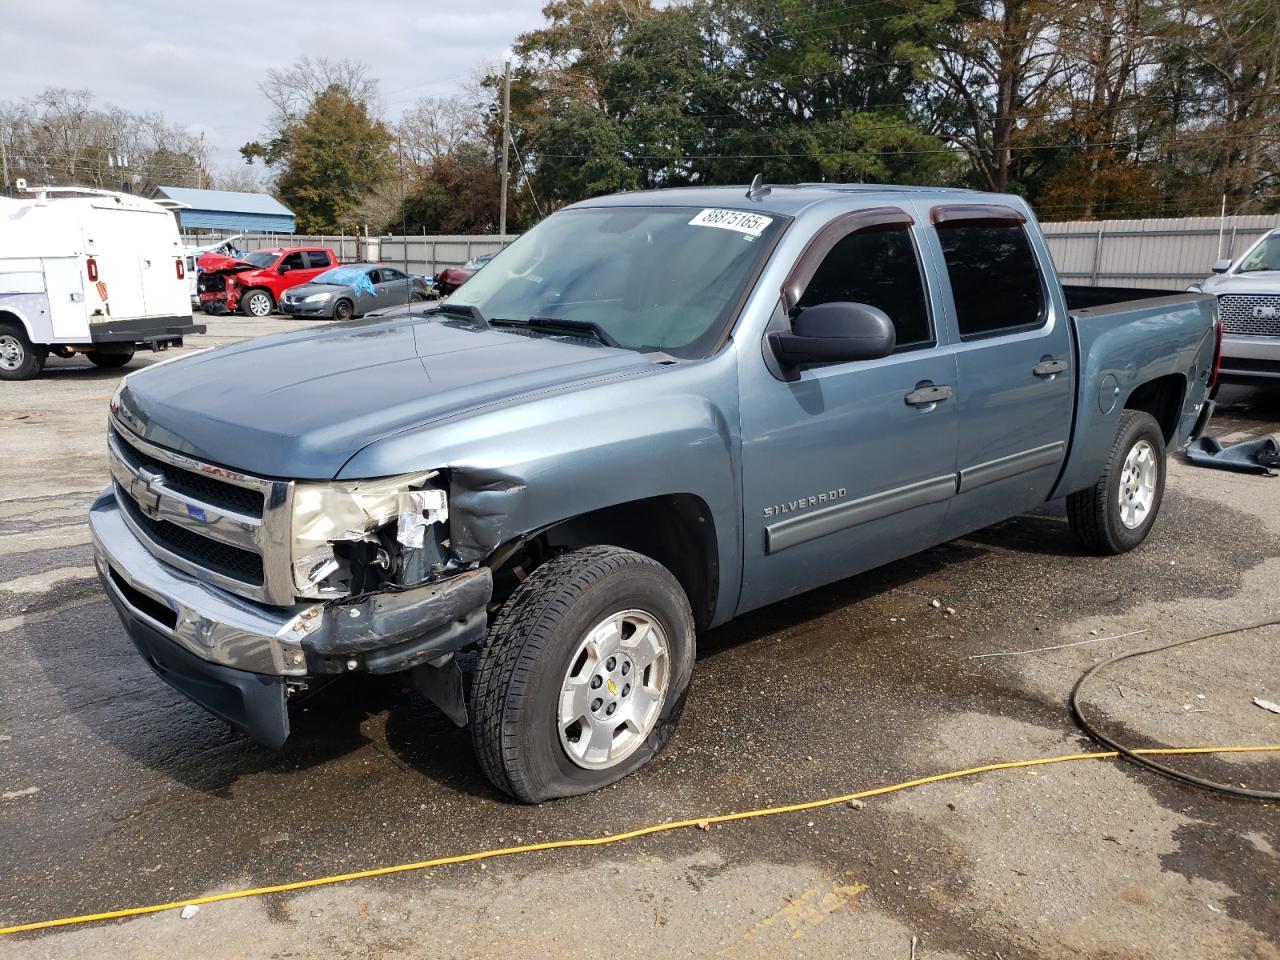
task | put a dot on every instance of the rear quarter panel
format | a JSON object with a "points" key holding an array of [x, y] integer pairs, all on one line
{"points": [[1119, 348]]}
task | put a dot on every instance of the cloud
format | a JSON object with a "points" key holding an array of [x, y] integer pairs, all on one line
{"points": [[200, 65]]}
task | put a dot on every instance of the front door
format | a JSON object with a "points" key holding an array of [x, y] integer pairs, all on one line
{"points": [[849, 465], [1016, 389]]}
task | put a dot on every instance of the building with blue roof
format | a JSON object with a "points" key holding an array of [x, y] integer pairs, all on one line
{"points": [[227, 211]]}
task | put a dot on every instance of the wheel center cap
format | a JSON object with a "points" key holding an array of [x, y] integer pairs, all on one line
{"points": [[613, 687]]}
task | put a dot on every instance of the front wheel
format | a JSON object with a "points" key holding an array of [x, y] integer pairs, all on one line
{"points": [[1117, 513], [20, 359], [116, 359], [342, 310], [584, 674], [257, 304]]}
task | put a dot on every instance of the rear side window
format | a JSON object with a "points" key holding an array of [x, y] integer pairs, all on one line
{"points": [[994, 276], [319, 259], [878, 267]]}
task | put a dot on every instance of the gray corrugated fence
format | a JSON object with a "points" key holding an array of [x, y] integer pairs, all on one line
{"points": [[1164, 254], [425, 254]]}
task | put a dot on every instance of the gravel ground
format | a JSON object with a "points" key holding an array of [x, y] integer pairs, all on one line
{"points": [[118, 792]]}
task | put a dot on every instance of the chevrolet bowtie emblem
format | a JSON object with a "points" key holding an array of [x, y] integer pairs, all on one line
{"points": [[147, 498]]}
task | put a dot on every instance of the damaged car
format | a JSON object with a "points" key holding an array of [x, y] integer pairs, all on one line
{"points": [[255, 283], [555, 479]]}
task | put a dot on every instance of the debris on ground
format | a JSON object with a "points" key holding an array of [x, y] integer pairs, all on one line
{"points": [[1266, 705], [855, 804], [28, 791], [189, 911]]}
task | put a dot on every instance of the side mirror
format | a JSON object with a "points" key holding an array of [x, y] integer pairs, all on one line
{"points": [[835, 331], [1222, 266], [283, 269]]}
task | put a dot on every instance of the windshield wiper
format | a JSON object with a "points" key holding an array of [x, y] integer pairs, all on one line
{"points": [[588, 327], [463, 310]]}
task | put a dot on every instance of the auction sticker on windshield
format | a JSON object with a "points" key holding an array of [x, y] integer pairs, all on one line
{"points": [[739, 220]]}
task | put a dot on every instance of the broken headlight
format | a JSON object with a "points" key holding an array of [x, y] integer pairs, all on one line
{"points": [[336, 525]]}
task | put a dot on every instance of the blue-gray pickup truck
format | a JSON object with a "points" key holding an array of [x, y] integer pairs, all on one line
{"points": [[652, 413]]}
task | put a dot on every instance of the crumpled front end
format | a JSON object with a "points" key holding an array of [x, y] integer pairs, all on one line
{"points": [[241, 591]]}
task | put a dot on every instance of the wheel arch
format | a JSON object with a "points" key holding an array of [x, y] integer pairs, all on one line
{"points": [[10, 315], [677, 530], [1162, 398]]}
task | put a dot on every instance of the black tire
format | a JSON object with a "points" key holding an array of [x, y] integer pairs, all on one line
{"points": [[1095, 513], [20, 359], [114, 359], [521, 669], [417, 298], [342, 310], [253, 297]]}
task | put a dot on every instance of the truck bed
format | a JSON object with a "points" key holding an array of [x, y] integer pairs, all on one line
{"points": [[1126, 337]]}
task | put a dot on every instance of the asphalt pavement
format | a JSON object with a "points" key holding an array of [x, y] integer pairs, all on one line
{"points": [[117, 792]]}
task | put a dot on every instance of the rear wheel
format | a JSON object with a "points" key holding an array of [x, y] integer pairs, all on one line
{"points": [[342, 310], [256, 303], [1117, 513], [584, 674], [20, 359], [114, 359]]}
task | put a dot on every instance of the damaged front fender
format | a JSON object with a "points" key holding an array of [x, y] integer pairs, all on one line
{"points": [[484, 503]]}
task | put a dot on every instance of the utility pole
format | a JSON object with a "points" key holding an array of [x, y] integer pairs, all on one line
{"points": [[4, 162], [506, 142]]}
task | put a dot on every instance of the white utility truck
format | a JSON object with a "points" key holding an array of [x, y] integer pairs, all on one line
{"points": [[88, 271]]}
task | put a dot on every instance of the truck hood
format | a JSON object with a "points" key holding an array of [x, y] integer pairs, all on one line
{"points": [[1261, 281], [299, 405]]}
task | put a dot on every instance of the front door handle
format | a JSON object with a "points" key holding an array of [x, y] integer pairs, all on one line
{"points": [[927, 395], [1048, 368]]}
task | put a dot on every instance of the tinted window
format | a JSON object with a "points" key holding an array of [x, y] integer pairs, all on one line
{"points": [[293, 261], [994, 276], [388, 275], [879, 268], [319, 259]]}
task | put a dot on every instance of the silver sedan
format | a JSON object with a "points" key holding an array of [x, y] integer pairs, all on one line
{"points": [[352, 290]]}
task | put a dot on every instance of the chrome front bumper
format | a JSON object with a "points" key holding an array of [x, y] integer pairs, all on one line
{"points": [[378, 633], [212, 624]]}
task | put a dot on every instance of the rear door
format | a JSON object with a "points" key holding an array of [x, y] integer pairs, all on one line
{"points": [[846, 465], [1016, 377], [115, 240], [393, 288]]}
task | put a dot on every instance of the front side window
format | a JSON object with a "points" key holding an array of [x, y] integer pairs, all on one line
{"points": [[878, 267], [994, 276], [388, 274], [293, 261], [652, 278]]}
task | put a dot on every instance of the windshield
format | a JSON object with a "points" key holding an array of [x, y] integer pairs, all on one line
{"points": [[652, 278], [1265, 256], [342, 276], [261, 258]]}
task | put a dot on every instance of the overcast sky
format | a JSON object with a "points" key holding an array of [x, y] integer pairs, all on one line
{"points": [[199, 63]]}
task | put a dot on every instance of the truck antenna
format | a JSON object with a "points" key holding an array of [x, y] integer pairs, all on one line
{"points": [[757, 188]]}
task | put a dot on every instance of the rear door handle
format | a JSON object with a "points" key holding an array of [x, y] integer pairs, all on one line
{"points": [[927, 395], [1047, 368]]}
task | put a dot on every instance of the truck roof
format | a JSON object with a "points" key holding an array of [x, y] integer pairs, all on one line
{"points": [[788, 199]]}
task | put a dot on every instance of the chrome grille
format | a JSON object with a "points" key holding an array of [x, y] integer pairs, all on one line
{"points": [[1251, 315], [228, 528]]}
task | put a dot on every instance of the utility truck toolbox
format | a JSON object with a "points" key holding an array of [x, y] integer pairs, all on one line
{"points": [[88, 271], [561, 474]]}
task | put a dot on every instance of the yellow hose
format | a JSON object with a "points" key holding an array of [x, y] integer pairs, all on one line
{"points": [[613, 837]]}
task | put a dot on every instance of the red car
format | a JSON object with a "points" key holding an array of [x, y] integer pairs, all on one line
{"points": [[253, 284], [451, 278]]}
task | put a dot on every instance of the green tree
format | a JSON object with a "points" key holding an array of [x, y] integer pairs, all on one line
{"points": [[330, 159]]}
